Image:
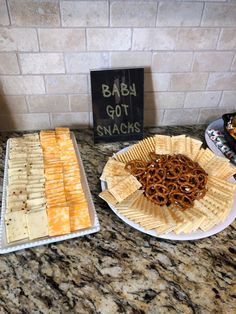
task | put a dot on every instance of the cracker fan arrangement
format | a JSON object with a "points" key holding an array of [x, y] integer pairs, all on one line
{"points": [[45, 197], [170, 184]]}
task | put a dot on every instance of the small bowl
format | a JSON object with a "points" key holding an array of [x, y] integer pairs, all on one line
{"points": [[229, 138]]}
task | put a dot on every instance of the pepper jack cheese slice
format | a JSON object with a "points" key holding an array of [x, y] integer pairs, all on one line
{"points": [[16, 226], [37, 223], [58, 220]]}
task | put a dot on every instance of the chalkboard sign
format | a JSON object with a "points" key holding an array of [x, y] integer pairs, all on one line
{"points": [[117, 100]]}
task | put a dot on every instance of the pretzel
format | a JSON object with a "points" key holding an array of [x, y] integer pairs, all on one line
{"points": [[154, 175], [136, 167], [180, 200], [170, 179]]}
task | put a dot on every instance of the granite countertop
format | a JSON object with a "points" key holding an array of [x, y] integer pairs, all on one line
{"points": [[119, 269]]}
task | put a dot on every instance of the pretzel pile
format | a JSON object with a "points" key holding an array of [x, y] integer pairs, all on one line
{"points": [[170, 179]]}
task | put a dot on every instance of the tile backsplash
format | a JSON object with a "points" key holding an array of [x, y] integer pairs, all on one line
{"points": [[47, 48]]}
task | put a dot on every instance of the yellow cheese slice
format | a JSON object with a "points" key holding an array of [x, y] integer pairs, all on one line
{"points": [[58, 220]]}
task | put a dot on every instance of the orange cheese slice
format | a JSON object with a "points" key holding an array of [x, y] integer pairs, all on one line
{"points": [[54, 184], [72, 186], [49, 171], [55, 191], [79, 216], [62, 130], [58, 220], [56, 176], [56, 198]]}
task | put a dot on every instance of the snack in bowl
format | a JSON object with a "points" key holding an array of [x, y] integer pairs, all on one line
{"points": [[230, 129], [176, 186]]}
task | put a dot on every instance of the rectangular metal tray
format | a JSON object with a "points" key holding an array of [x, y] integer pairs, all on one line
{"points": [[20, 245]]}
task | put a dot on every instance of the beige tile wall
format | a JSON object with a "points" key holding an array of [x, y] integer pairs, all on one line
{"points": [[47, 48]]}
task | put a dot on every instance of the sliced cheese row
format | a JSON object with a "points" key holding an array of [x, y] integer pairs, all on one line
{"points": [[26, 215], [44, 194]]}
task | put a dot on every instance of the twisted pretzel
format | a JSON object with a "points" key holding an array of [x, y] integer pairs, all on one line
{"points": [[180, 200], [170, 179]]}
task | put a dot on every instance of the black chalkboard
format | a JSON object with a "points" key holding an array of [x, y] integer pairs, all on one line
{"points": [[117, 101]]}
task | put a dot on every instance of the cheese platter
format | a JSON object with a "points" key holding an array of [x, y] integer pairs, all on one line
{"points": [[33, 211]]}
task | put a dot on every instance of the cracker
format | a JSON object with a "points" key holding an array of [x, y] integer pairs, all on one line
{"points": [[149, 144], [108, 197], [113, 168], [16, 226], [135, 152], [169, 224], [144, 147], [228, 172], [134, 215], [217, 193], [125, 188], [193, 147], [196, 219], [221, 184], [178, 144], [127, 202], [209, 223], [150, 224], [138, 203], [184, 225], [216, 166], [162, 144], [37, 223], [152, 218], [204, 208], [113, 180], [158, 213], [204, 157]]}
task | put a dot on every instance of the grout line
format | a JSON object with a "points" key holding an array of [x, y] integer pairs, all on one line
{"points": [[27, 103], [86, 40], [218, 38], [60, 15], [131, 39], [45, 85], [203, 10], [221, 96], [19, 65], [232, 62], [39, 46], [69, 102], [119, 27], [192, 61], [109, 13], [87, 73], [50, 119], [157, 11], [8, 12], [64, 61], [107, 51]]}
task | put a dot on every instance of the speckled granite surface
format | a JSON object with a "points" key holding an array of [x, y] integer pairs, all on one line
{"points": [[120, 270]]}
